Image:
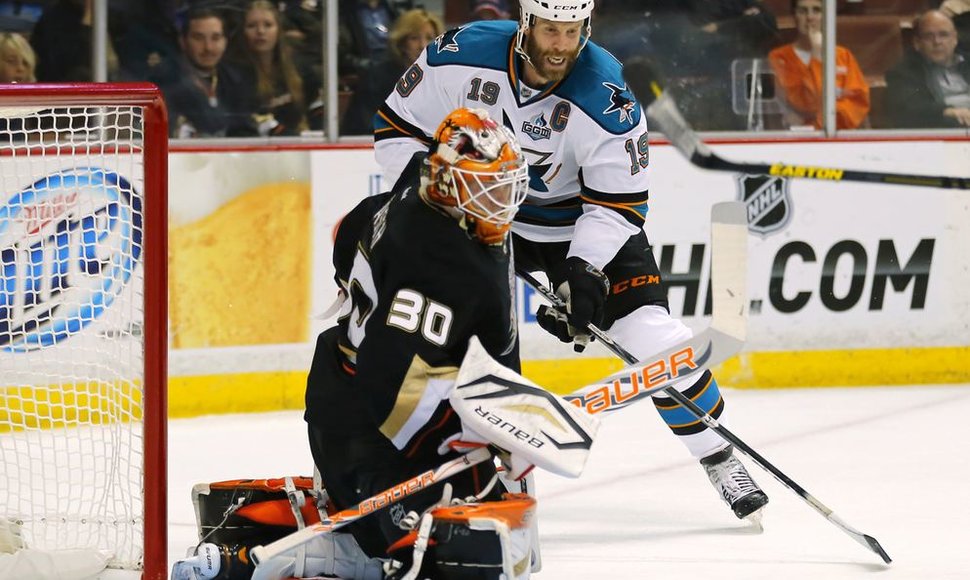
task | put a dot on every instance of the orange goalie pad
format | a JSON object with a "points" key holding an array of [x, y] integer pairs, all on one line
{"points": [[273, 512], [259, 510], [516, 510]]}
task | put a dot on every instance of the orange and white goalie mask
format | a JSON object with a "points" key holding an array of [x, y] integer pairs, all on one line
{"points": [[477, 168]]}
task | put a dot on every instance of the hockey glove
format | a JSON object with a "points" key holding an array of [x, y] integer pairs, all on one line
{"points": [[584, 292]]}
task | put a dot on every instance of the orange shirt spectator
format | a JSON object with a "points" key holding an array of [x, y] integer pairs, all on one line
{"points": [[798, 69]]}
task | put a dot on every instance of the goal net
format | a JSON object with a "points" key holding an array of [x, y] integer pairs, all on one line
{"points": [[83, 321]]}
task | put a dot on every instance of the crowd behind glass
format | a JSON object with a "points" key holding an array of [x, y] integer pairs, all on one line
{"points": [[238, 68]]}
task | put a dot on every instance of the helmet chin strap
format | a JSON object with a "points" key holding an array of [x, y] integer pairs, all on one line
{"points": [[520, 40]]}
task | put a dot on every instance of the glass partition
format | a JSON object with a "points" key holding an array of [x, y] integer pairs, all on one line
{"points": [[254, 68], [711, 55]]}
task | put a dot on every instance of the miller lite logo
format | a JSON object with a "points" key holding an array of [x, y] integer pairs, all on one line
{"points": [[767, 202], [69, 243], [537, 128]]}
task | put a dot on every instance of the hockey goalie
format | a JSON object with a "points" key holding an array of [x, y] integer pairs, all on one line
{"points": [[422, 431]]}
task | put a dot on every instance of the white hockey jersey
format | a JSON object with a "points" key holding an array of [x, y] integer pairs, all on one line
{"points": [[585, 136]]}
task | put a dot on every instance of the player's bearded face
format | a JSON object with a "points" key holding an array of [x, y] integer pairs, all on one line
{"points": [[553, 51]]}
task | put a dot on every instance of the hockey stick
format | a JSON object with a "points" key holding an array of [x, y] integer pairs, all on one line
{"points": [[719, 342], [368, 506], [728, 312], [661, 109]]}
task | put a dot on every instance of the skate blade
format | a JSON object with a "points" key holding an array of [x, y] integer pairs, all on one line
{"points": [[754, 520]]}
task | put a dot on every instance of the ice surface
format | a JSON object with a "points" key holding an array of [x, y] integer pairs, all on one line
{"points": [[893, 462]]}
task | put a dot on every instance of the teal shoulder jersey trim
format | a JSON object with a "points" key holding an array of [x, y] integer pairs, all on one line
{"points": [[474, 45], [596, 86]]}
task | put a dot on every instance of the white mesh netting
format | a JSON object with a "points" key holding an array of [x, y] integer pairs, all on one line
{"points": [[71, 320]]}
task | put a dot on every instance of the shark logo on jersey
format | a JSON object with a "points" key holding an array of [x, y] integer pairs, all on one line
{"points": [[767, 202], [536, 168], [621, 101], [448, 41], [537, 128]]}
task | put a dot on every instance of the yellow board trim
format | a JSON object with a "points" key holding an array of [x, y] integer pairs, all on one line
{"points": [[253, 392], [192, 396]]}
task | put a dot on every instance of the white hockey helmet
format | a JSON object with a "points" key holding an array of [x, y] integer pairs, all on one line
{"points": [[555, 10]]}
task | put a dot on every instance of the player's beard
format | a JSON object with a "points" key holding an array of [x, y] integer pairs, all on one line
{"points": [[545, 70]]}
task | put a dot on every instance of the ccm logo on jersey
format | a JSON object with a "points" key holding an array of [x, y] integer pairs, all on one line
{"points": [[397, 492], [635, 282], [624, 390]]}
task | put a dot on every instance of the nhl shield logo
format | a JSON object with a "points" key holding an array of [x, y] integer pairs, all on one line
{"points": [[767, 201]]}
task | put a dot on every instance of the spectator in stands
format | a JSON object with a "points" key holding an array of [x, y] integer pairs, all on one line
{"points": [[148, 43], [17, 62], [798, 70], [304, 31], [959, 11], [363, 34], [276, 94], [205, 100], [490, 10], [412, 31], [930, 87], [17, 59], [62, 40]]}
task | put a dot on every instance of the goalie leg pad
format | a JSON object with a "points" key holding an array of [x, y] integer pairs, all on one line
{"points": [[331, 555], [479, 541], [259, 510]]}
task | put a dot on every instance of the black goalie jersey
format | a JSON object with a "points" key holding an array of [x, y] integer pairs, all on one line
{"points": [[419, 288]]}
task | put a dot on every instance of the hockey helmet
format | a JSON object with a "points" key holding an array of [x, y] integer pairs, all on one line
{"points": [[555, 10], [478, 171]]}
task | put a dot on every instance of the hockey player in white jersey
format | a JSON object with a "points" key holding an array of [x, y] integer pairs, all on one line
{"points": [[585, 137]]}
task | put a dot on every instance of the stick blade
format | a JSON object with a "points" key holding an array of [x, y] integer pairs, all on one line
{"points": [[877, 548], [729, 268]]}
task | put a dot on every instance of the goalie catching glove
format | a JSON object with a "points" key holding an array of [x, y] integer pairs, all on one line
{"points": [[584, 293]]}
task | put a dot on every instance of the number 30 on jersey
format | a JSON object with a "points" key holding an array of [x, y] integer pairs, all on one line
{"points": [[411, 311]]}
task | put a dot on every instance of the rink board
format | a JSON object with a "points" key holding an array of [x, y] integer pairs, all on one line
{"points": [[850, 284]]}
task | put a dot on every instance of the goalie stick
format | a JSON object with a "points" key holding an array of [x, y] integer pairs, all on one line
{"points": [[368, 506], [661, 109], [725, 336]]}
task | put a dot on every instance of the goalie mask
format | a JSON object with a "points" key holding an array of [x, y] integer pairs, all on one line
{"points": [[478, 172]]}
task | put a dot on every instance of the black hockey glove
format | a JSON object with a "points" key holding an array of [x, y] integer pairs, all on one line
{"points": [[584, 293]]}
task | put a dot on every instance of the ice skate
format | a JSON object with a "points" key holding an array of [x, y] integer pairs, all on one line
{"points": [[732, 481]]}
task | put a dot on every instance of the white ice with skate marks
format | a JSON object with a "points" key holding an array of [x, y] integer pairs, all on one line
{"points": [[890, 461]]}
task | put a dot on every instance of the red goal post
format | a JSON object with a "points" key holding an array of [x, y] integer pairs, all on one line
{"points": [[83, 320]]}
